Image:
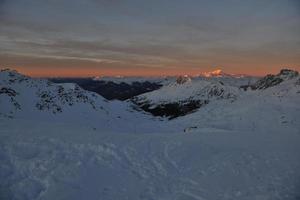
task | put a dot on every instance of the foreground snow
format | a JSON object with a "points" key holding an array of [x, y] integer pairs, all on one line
{"points": [[65, 161]]}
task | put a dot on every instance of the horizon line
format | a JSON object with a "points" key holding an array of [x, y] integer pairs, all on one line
{"points": [[70, 75]]}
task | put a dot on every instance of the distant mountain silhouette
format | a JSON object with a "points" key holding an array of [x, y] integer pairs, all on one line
{"points": [[112, 90]]}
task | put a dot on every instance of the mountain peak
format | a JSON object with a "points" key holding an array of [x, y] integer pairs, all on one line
{"points": [[287, 73], [11, 76], [10, 72], [273, 80], [214, 73], [219, 73], [183, 79]]}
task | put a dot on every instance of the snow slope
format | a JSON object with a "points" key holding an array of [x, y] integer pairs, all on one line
{"points": [[243, 149], [51, 161], [275, 109], [183, 97], [187, 95], [197, 89], [35, 95], [37, 99]]}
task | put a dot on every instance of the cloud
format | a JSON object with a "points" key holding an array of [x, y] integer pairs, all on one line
{"points": [[2, 7], [158, 33]]}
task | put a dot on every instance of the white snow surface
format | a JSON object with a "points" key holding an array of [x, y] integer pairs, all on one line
{"points": [[190, 90], [244, 149]]}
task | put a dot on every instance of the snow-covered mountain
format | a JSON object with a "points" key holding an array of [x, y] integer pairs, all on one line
{"points": [[273, 109], [215, 73], [165, 80], [220, 73], [39, 99], [235, 80], [32, 96], [187, 95], [184, 96], [58, 141], [273, 80]]}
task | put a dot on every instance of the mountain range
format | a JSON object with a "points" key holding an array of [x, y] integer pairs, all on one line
{"points": [[215, 136]]}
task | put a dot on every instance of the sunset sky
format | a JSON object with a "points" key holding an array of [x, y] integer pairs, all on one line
{"points": [[149, 37]]}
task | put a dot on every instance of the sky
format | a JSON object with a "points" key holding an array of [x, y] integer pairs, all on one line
{"points": [[153, 37]]}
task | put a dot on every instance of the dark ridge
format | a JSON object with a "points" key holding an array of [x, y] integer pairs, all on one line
{"points": [[172, 110], [8, 91], [111, 90]]}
